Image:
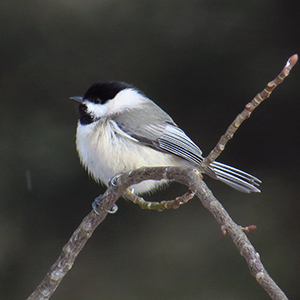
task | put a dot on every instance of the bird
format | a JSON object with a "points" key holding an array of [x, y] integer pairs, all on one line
{"points": [[120, 129]]}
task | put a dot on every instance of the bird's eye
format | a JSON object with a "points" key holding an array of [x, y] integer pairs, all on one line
{"points": [[97, 100]]}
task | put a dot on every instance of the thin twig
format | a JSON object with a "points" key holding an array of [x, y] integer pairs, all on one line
{"points": [[158, 206], [246, 113]]}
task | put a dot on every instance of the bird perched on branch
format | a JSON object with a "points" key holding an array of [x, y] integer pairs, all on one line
{"points": [[121, 129]]}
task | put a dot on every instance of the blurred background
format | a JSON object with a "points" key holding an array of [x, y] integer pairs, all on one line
{"points": [[201, 61]]}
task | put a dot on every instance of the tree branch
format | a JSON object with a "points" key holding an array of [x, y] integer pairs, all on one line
{"points": [[246, 113], [187, 176], [159, 206]]}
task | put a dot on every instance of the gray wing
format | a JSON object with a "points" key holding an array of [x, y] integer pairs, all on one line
{"points": [[158, 131], [174, 140]]}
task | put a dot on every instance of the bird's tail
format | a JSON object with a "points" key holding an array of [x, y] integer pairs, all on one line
{"points": [[235, 178]]}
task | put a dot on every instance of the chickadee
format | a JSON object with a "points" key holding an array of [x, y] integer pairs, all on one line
{"points": [[120, 129]]}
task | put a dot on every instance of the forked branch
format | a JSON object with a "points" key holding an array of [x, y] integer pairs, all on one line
{"points": [[186, 176]]}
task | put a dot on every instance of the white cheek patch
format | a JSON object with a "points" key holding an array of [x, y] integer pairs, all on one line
{"points": [[96, 110], [126, 99]]}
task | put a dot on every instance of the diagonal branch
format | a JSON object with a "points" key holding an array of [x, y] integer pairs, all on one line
{"points": [[246, 113], [187, 176]]}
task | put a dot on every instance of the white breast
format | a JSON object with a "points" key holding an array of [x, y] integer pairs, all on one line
{"points": [[105, 151]]}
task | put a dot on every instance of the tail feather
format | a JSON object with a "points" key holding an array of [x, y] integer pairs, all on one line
{"points": [[235, 178]]}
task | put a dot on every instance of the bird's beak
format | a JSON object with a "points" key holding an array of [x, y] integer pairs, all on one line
{"points": [[78, 99]]}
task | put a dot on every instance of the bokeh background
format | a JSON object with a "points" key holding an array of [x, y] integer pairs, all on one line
{"points": [[199, 60]]}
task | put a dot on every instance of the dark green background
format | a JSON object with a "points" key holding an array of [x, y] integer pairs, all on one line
{"points": [[199, 60]]}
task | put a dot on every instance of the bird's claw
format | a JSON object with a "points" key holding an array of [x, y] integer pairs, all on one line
{"points": [[97, 203], [112, 181]]}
